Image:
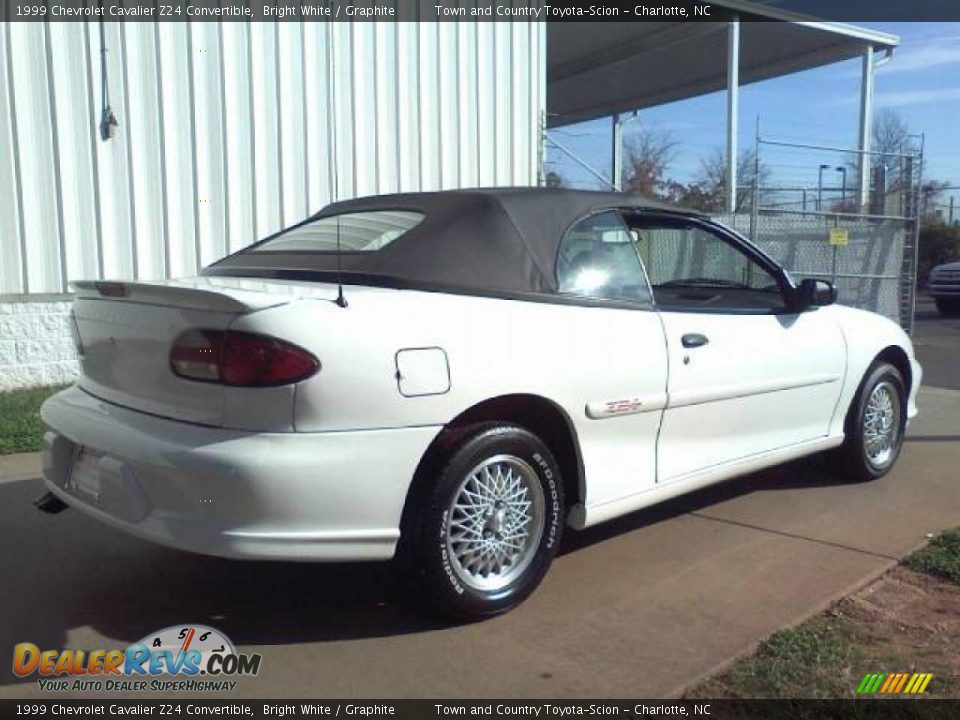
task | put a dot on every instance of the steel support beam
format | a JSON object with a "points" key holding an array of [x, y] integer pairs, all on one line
{"points": [[617, 174], [733, 111], [866, 127], [619, 120]]}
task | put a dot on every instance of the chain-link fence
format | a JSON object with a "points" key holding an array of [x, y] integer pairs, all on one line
{"points": [[868, 258], [866, 244], [802, 203]]}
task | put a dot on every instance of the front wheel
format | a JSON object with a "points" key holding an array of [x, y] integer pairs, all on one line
{"points": [[876, 424], [490, 523]]}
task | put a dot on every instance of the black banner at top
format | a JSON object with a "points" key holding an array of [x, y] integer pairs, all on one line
{"points": [[475, 10]]}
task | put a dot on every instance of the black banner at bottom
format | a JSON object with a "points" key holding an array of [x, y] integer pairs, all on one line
{"points": [[445, 709]]}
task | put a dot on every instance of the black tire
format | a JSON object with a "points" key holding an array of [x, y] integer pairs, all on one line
{"points": [[948, 306], [859, 463], [427, 551]]}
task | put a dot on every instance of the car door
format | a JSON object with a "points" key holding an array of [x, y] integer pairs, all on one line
{"points": [[616, 369], [747, 375]]}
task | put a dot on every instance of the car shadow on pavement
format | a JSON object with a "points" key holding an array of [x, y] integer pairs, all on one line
{"points": [[66, 573], [810, 472]]}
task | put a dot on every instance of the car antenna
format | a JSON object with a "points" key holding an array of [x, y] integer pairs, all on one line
{"points": [[341, 300], [332, 119]]}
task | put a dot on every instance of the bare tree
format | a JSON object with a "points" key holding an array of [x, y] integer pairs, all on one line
{"points": [[649, 153], [891, 138], [712, 179], [891, 134]]}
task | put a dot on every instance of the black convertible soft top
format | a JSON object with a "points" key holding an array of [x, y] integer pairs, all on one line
{"points": [[488, 240]]}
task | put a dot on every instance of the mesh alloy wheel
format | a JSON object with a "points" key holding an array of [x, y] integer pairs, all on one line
{"points": [[881, 424], [486, 524], [875, 424], [496, 519]]}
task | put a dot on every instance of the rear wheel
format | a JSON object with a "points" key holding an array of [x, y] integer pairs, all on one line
{"points": [[489, 525], [948, 306], [875, 424]]}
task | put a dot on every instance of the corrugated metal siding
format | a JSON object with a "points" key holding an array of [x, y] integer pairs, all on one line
{"points": [[230, 131]]}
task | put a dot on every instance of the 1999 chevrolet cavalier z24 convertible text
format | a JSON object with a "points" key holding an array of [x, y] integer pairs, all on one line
{"points": [[501, 363]]}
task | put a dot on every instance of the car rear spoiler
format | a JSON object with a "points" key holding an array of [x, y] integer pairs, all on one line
{"points": [[179, 293]]}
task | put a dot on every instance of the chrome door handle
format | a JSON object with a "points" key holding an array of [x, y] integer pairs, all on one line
{"points": [[694, 340]]}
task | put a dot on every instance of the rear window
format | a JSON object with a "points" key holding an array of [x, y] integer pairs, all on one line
{"points": [[359, 232]]}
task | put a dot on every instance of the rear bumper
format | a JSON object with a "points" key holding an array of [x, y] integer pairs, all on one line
{"points": [[286, 496]]}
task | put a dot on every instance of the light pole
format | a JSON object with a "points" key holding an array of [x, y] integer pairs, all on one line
{"points": [[820, 187], [843, 186]]}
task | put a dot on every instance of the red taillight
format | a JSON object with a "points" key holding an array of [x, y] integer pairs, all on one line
{"points": [[257, 360], [239, 358]]}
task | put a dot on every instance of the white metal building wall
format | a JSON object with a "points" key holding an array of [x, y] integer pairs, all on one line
{"points": [[229, 131]]}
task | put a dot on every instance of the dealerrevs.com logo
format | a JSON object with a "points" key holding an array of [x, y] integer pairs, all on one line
{"points": [[191, 658]]}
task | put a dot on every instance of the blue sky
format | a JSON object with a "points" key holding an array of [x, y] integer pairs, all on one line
{"points": [[820, 106]]}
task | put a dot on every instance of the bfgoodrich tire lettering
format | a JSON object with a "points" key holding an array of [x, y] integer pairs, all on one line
{"points": [[490, 524]]}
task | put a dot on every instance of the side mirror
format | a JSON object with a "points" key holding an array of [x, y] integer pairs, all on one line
{"points": [[814, 292]]}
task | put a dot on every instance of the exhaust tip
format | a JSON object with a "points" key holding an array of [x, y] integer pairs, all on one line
{"points": [[50, 503]]}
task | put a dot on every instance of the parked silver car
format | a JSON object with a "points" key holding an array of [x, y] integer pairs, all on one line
{"points": [[944, 286]]}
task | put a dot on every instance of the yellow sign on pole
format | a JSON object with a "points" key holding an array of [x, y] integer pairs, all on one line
{"points": [[839, 236]]}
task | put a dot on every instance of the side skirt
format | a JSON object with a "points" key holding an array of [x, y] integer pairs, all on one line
{"points": [[582, 516]]}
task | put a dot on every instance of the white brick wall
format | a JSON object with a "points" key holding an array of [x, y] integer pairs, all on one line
{"points": [[36, 347]]}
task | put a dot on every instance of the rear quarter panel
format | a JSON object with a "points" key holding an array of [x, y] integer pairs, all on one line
{"points": [[570, 355]]}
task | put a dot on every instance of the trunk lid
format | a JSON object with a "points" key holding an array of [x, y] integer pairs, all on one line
{"points": [[127, 329]]}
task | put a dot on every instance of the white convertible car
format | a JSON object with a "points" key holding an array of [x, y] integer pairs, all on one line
{"points": [[449, 379]]}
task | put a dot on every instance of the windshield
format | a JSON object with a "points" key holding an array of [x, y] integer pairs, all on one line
{"points": [[360, 232]]}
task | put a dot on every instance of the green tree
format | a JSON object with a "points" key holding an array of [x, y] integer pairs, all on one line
{"points": [[939, 243]]}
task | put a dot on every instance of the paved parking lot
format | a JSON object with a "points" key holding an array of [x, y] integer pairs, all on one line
{"points": [[937, 340], [639, 607]]}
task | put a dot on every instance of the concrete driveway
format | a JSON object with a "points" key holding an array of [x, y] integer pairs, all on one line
{"points": [[640, 607], [937, 341]]}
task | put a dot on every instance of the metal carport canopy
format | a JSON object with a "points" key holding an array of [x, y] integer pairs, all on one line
{"points": [[598, 69]]}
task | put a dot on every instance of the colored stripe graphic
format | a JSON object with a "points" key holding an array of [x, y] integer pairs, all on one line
{"points": [[871, 683], [894, 684], [901, 682]]}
